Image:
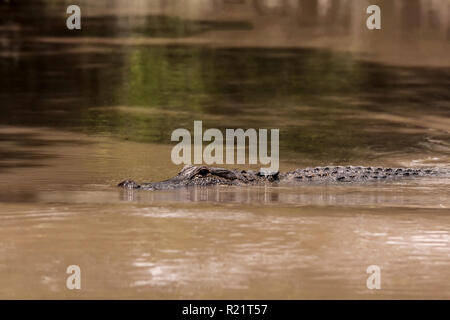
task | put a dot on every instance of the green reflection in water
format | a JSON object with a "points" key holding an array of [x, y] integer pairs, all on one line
{"points": [[317, 98], [165, 77], [310, 95]]}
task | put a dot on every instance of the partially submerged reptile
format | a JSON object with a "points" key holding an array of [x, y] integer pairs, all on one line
{"points": [[208, 176]]}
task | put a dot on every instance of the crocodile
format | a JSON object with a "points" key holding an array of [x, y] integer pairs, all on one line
{"points": [[208, 176]]}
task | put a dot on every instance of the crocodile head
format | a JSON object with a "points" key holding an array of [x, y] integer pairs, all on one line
{"points": [[190, 176]]}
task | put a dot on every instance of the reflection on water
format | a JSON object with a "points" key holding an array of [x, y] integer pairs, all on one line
{"points": [[428, 193], [83, 111]]}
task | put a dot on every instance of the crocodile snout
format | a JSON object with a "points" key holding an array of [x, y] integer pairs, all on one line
{"points": [[129, 184]]}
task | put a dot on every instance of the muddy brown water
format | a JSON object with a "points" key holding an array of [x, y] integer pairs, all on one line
{"points": [[80, 113]]}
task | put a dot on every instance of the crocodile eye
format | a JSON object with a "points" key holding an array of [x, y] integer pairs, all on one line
{"points": [[203, 172]]}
